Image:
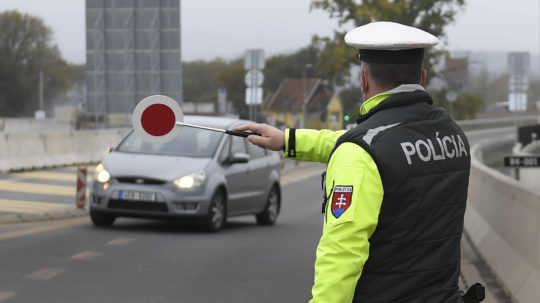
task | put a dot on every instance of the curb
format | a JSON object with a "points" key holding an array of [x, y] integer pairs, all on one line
{"points": [[67, 213]]}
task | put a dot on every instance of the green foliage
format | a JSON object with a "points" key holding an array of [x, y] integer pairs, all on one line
{"points": [[466, 106], [491, 90], [26, 48], [351, 98], [335, 58], [200, 81], [430, 15], [232, 77], [294, 65]]}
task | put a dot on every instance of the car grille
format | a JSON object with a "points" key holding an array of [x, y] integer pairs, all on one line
{"points": [[135, 180], [138, 205]]}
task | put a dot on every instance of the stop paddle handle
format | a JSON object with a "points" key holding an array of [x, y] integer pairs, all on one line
{"points": [[240, 133]]}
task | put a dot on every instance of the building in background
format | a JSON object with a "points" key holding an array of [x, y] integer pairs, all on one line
{"points": [[132, 51], [284, 108]]}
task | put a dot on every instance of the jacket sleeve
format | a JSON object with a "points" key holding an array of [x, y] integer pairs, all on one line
{"points": [[309, 144], [344, 246]]}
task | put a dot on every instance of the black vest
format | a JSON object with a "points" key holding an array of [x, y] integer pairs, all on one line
{"points": [[423, 158]]}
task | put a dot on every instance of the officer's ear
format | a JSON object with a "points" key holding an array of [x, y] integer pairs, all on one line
{"points": [[423, 77], [364, 79]]}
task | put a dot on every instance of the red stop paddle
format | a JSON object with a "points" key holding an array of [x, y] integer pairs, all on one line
{"points": [[155, 117]]}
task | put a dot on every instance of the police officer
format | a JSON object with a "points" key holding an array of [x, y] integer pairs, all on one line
{"points": [[396, 184]]}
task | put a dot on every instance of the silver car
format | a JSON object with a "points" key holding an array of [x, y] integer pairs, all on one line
{"points": [[202, 175]]}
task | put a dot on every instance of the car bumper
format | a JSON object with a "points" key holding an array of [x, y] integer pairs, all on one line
{"points": [[168, 202]]}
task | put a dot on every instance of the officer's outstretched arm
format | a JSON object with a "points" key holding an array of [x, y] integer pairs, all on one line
{"points": [[302, 144], [355, 192], [309, 144]]}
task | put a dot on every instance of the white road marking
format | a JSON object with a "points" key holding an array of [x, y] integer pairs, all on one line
{"points": [[120, 241], [30, 207], [4, 295], [86, 255], [45, 274]]}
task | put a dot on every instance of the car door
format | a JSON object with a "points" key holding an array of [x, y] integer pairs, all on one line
{"points": [[259, 172], [237, 175]]}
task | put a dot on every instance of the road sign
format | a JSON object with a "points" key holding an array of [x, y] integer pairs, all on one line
{"points": [[528, 134], [254, 95], [451, 96], [522, 161], [254, 59], [518, 82], [254, 78]]}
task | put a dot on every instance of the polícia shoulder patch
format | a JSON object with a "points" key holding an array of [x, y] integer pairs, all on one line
{"points": [[341, 199]]}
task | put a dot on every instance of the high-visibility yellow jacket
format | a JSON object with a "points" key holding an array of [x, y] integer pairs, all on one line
{"points": [[424, 160], [344, 247]]}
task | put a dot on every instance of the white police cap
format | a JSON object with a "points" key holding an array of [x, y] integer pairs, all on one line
{"points": [[390, 42]]}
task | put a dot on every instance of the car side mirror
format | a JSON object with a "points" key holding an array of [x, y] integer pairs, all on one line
{"points": [[239, 158]]}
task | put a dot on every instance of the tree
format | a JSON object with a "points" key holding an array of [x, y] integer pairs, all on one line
{"points": [[200, 79], [299, 64], [232, 78], [26, 49], [430, 15], [351, 98], [466, 106]]}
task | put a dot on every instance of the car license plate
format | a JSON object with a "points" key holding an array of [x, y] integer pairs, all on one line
{"points": [[137, 195]]}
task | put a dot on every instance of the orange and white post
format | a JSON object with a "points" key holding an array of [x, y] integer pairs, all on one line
{"points": [[81, 187]]}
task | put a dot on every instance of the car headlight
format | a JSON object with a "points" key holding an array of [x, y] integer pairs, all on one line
{"points": [[103, 175], [190, 181]]}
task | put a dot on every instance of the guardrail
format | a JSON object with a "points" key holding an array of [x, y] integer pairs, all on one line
{"points": [[29, 150], [503, 221]]}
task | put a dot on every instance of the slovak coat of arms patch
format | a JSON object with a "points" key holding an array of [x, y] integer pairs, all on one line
{"points": [[341, 199]]}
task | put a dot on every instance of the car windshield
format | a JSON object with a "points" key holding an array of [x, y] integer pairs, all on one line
{"points": [[190, 142]]}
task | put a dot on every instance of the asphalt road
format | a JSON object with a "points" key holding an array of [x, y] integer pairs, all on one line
{"points": [[152, 261]]}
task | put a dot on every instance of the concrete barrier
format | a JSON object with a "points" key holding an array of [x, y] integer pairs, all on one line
{"points": [[529, 176], [25, 150], [503, 221], [25, 125]]}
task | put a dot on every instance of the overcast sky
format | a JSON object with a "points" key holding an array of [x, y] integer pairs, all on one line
{"points": [[226, 28]]}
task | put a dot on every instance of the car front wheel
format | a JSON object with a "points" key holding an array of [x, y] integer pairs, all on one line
{"points": [[217, 214], [270, 214], [101, 219]]}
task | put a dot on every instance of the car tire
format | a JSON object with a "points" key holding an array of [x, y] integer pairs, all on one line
{"points": [[273, 206], [101, 219], [217, 213]]}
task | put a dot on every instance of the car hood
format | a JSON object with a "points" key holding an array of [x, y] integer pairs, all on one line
{"points": [[152, 166]]}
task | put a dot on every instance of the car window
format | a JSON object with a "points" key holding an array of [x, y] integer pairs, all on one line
{"points": [[255, 151], [224, 153], [238, 145], [190, 142]]}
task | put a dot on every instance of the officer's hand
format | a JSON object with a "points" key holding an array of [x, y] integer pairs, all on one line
{"points": [[270, 137]]}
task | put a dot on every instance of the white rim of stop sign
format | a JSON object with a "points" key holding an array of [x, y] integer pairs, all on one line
{"points": [[143, 105]]}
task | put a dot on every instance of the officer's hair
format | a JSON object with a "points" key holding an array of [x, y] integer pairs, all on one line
{"points": [[392, 75]]}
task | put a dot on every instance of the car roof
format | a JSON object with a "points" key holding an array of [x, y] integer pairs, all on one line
{"points": [[210, 121]]}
